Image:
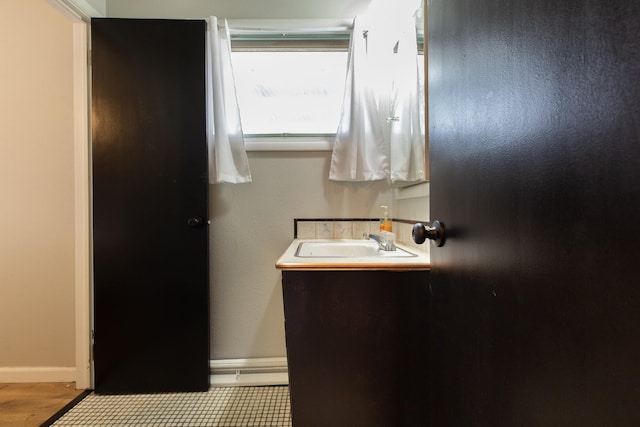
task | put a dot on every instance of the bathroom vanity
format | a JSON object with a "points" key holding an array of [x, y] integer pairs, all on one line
{"points": [[357, 334]]}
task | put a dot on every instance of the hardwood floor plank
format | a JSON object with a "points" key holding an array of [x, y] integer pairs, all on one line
{"points": [[30, 404]]}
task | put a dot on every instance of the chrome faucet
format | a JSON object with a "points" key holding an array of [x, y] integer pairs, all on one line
{"points": [[385, 244]]}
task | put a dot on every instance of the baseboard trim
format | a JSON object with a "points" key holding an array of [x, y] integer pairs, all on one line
{"points": [[224, 373], [249, 372], [37, 374], [247, 380]]}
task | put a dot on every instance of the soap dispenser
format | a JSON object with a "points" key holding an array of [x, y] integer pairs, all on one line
{"points": [[385, 223]]}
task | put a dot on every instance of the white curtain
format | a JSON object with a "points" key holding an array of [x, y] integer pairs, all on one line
{"points": [[382, 132], [227, 156], [407, 118], [360, 149]]}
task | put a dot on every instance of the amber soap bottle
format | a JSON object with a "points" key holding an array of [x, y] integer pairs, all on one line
{"points": [[385, 223]]}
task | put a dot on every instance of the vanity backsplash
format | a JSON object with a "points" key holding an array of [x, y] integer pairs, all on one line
{"points": [[353, 228]]}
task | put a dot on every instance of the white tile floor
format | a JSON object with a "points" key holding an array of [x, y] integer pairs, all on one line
{"points": [[219, 407]]}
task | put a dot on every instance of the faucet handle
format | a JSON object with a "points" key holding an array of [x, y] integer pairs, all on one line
{"points": [[387, 239]]}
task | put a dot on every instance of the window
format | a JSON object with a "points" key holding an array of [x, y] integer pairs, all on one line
{"points": [[290, 87], [290, 83], [290, 92]]}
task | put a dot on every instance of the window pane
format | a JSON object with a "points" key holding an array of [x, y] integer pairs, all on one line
{"points": [[290, 92]]}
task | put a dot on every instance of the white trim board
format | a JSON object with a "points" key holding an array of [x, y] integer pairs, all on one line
{"points": [[249, 372], [80, 9], [412, 192], [299, 143], [82, 205], [37, 374], [248, 380], [78, 13]]}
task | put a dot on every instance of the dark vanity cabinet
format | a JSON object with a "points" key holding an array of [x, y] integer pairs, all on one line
{"points": [[357, 347]]}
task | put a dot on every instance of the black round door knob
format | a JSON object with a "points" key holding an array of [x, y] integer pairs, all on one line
{"points": [[195, 221], [435, 232]]}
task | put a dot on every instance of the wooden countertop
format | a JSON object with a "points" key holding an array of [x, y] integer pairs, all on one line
{"points": [[289, 261]]}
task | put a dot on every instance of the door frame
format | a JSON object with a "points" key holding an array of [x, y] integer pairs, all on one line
{"points": [[82, 190], [80, 18]]}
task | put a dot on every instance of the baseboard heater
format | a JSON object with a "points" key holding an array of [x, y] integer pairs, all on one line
{"points": [[249, 372]]}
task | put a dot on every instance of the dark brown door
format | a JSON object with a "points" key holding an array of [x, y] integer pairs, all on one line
{"points": [[535, 170], [149, 206]]}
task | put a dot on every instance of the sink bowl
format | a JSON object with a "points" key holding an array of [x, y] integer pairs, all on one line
{"points": [[347, 249]]}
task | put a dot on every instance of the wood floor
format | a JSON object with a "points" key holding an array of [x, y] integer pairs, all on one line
{"points": [[30, 404]]}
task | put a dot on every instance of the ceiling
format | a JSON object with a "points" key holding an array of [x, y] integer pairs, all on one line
{"points": [[236, 9]]}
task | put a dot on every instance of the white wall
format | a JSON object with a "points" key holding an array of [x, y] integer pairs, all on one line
{"points": [[36, 188], [412, 202], [253, 225], [99, 6]]}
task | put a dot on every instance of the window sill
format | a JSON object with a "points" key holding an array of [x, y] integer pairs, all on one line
{"points": [[289, 143], [412, 191]]}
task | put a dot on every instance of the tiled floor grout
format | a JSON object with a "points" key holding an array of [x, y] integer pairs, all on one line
{"points": [[219, 407]]}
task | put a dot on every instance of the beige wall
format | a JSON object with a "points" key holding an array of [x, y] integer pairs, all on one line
{"points": [[36, 187]]}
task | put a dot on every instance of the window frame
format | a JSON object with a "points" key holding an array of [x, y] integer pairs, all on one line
{"points": [[291, 35], [276, 37]]}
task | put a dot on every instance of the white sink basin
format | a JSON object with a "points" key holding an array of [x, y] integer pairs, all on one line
{"points": [[347, 249]]}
